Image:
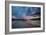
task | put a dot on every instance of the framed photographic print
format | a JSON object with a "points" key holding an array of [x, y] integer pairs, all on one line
{"points": [[24, 17]]}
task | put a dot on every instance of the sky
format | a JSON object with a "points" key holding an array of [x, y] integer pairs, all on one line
{"points": [[20, 11]]}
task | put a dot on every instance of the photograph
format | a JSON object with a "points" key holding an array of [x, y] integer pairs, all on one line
{"points": [[25, 16]]}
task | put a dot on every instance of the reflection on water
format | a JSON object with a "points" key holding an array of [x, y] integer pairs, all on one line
{"points": [[21, 23]]}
